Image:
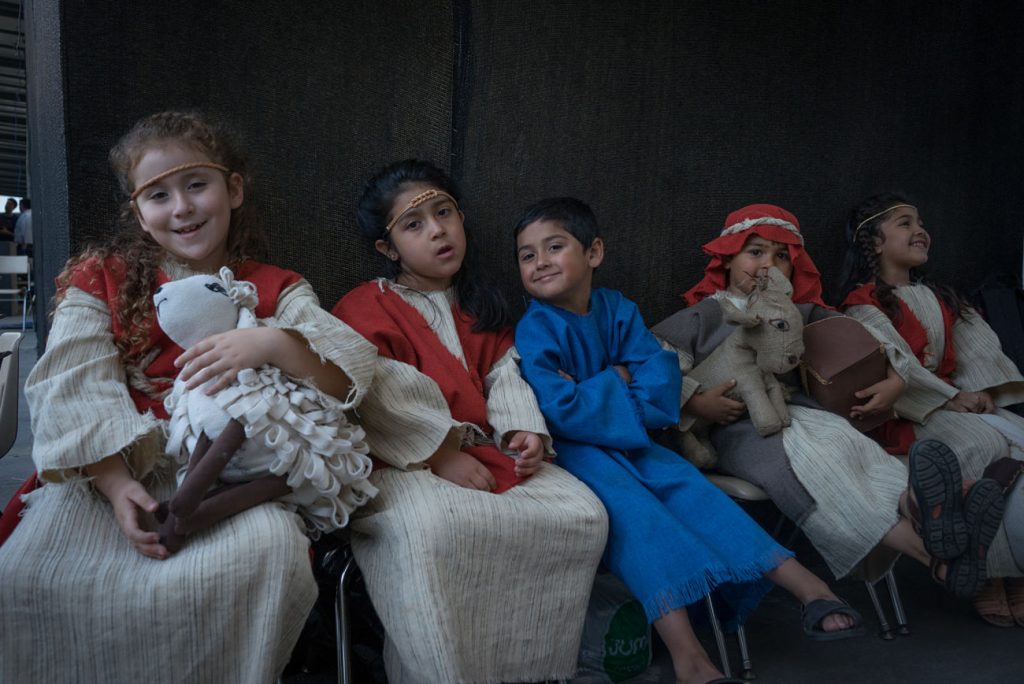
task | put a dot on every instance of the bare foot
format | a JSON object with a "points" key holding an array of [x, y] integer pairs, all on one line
{"points": [[696, 671]]}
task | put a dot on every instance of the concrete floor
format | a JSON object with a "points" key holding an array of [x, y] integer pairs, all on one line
{"points": [[947, 644]]}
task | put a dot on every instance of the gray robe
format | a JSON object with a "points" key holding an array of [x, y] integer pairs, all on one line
{"points": [[742, 451]]}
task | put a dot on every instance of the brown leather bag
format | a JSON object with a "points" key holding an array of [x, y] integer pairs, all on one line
{"points": [[840, 358]]}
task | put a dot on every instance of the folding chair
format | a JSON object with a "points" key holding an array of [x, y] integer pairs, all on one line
{"points": [[9, 344], [341, 622], [341, 560], [742, 490], [17, 266]]}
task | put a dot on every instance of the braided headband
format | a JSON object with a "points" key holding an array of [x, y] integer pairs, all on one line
{"points": [[745, 224], [417, 201], [173, 170], [874, 216]]}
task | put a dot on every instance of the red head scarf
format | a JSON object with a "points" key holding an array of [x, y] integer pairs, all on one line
{"points": [[772, 223]]}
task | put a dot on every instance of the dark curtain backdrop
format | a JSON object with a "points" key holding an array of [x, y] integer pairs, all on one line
{"points": [[664, 116], [322, 93]]}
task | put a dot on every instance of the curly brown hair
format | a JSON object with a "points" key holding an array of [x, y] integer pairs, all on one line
{"points": [[130, 244]]}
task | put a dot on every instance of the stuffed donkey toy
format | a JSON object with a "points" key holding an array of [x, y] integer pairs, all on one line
{"points": [[768, 340], [267, 436]]}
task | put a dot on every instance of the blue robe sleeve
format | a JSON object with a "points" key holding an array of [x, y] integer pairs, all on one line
{"points": [[598, 410], [656, 382]]}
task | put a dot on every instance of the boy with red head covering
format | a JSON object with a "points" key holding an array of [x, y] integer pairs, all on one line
{"points": [[770, 223], [836, 484]]}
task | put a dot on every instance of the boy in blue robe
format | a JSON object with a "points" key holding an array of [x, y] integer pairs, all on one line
{"points": [[602, 382]]}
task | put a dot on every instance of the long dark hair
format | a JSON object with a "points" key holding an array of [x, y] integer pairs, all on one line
{"points": [[861, 264], [475, 293]]}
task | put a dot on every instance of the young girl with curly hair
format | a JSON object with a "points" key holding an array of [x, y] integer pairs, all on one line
{"points": [[88, 590]]}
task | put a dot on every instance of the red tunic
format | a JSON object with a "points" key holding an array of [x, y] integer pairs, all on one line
{"points": [[400, 332], [897, 435], [103, 281]]}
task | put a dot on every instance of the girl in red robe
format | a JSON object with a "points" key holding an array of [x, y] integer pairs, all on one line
{"points": [[958, 377], [477, 552]]}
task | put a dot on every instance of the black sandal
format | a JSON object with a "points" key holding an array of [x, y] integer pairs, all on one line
{"points": [[938, 485], [814, 612]]}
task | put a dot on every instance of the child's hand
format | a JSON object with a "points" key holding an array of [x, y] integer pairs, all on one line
{"points": [[985, 402], [223, 355], [623, 373], [531, 452], [881, 396], [972, 402], [712, 405], [127, 495], [462, 469]]}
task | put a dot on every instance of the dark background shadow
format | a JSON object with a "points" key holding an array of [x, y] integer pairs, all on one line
{"points": [[664, 116]]}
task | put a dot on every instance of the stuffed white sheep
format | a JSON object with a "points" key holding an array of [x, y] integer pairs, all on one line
{"points": [[267, 436]]}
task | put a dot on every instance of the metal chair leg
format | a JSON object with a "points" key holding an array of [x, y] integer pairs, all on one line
{"points": [[780, 525], [748, 669], [723, 654], [341, 622], [886, 631], [902, 628]]}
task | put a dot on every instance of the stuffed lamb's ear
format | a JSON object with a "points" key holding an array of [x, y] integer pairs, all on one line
{"points": [[244, 295], [242, 292], [734, 315]]}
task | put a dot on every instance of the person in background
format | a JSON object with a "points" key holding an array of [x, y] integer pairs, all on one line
{"points": [[23, 228]]}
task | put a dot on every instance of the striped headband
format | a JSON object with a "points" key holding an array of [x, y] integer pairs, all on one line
{"points": [[417, 201], [173, 170], [874, 216], [747, 223]]}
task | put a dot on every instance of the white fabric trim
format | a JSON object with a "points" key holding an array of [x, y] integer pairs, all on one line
{"points": [[746, 224]]}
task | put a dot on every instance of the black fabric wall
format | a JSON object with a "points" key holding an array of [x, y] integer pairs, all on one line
{"points": [[323, 93], [663, 115], [667, 116]]}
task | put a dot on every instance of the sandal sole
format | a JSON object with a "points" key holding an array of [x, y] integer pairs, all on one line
{"points": [[936, 481], [983, 513]]}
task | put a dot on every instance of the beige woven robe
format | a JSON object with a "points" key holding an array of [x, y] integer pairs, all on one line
{"points": [[981, 365], [77, 601], [471, 586]]}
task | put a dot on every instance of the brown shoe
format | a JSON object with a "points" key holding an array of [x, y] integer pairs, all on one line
{"points": [[1014, 587], [992, 605]]}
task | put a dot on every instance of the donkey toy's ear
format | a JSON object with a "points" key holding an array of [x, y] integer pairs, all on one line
{"points": [[775, 281]]}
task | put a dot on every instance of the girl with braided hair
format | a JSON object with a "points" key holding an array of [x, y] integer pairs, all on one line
{"points": [[958, 377]]}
